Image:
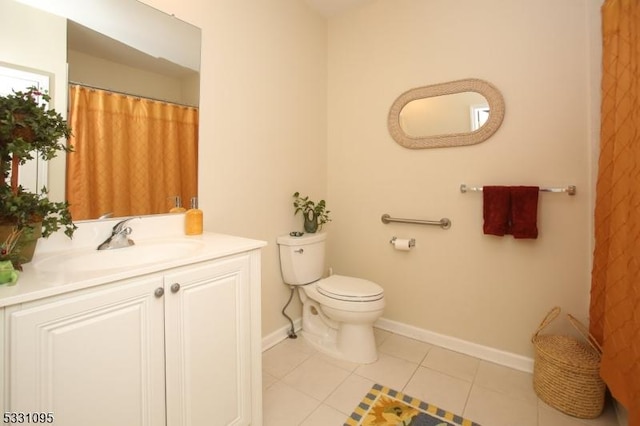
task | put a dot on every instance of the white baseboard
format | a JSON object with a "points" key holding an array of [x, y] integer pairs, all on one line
{"points": [[486, 353], [280, 334]]}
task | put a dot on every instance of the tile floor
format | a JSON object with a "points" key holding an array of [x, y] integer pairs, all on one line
{"points": [[304, 387]]}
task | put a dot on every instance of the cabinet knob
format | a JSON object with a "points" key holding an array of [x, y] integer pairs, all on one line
{"points": [[159, 292], [175, 287]]}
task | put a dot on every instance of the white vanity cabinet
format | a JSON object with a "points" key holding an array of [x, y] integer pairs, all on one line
{"points": [[90, 358], [208, 344], [179, 347]]}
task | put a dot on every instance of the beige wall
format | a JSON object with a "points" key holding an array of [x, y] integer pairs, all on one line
{"points": [[484, 289]]}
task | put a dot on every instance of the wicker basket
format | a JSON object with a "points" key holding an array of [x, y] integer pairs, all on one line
{"points": [[566, 371]]}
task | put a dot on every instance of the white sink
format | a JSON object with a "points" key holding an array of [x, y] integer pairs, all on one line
{"points": [[141, 254]]}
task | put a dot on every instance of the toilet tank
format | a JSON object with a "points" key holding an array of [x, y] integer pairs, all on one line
{"points": [[302, 258]]}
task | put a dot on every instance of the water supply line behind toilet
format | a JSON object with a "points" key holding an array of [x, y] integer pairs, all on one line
{"points": [[292, 331]]}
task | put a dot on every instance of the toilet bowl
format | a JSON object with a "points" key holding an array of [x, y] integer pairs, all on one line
{"points": [[338, 311]]}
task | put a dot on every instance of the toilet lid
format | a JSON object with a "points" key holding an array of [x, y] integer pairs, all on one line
{"points": [[350, 289]]}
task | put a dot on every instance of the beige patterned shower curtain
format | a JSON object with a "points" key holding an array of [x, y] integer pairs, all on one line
{"points": [[130, 154], [615, 288]]}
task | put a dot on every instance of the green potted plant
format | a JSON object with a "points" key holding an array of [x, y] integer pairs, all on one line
{"points": [[28, 128], [315, 214]]}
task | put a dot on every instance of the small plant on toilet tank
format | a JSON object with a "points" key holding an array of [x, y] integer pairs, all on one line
{"points": [[315, 214]]}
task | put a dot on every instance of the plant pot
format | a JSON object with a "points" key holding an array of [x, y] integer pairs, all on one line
{"points": [[26, 245], [310, 222]]}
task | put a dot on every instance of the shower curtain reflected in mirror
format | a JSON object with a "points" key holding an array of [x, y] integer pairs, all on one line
{"points": [[131, 155]]}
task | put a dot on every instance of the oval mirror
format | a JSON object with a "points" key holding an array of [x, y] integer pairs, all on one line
{"points": [[463, 112]]}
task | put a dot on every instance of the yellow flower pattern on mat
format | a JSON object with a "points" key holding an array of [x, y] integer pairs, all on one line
{"points": [[383, 406], [389, 411]]}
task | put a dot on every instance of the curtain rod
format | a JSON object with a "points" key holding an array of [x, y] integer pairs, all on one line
{"points": [[89, 86]]}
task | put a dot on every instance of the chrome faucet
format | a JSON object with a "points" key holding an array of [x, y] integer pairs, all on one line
{"points": [[119, 236]]}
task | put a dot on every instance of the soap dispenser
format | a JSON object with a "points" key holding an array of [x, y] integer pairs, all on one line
{"points": [[193, 219], [177, 205]]}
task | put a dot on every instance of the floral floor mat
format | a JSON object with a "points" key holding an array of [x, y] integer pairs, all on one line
{"points": [[383, 406]]}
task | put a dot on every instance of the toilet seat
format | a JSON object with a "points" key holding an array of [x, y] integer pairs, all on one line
{"points": [[349, 289]]}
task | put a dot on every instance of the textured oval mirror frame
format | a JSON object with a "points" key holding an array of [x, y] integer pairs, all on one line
{"points": [[496, 114]]}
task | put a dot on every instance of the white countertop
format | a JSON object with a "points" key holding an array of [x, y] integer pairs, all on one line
{"points": [[34, 283]]}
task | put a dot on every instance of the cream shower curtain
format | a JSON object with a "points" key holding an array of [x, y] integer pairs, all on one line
{"points": [[615, 291], [130, 154]]}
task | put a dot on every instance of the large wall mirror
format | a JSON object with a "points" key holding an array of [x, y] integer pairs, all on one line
{"points": [[124, 46], [456, 113]]}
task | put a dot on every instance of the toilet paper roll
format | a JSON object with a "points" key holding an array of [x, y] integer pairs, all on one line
{"points": [[402, 244]]}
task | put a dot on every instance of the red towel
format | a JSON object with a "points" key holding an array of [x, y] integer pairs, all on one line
{"points": [[496, 210], [524, 211]]}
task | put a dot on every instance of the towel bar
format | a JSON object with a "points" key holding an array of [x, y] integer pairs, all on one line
{"points": [[444, 223], [570, 189]]}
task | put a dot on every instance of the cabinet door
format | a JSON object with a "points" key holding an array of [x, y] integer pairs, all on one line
{"points": [[95, 358], [208, 344]]}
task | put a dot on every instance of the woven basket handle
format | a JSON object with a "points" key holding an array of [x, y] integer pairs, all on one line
{"points": [[553, 314], [582, 329]]}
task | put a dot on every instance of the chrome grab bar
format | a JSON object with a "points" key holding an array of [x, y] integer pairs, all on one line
{"points": [[444, 223]]}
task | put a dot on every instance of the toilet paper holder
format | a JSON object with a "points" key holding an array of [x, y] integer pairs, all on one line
{"points": [[412, 241]]}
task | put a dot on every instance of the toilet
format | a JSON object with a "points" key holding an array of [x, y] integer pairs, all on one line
{"points": [[338, 312]]}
